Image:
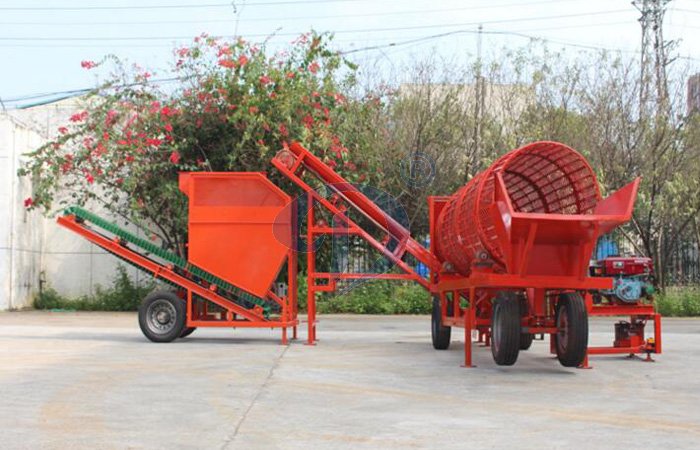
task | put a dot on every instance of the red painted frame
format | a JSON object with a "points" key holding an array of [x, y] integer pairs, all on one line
{"points": [[249, 318]]}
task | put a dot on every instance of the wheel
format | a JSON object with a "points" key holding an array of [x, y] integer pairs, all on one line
{"points": [[187, 331], [441, 334], [571, 340], [505, 328], [162, 316], [525, 338]]}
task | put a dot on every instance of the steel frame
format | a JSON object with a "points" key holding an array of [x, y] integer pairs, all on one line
{"points": [[636, 312], [235, 316], [317, 281], [449, 287]]}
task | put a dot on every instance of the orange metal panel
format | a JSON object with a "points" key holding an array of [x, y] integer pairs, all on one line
{"points": [[239, 227]]}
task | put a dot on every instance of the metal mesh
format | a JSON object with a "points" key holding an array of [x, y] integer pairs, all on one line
{"points": [[543, 177]]}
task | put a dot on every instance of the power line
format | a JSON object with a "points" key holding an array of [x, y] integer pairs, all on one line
{"points": [[171, 6], [505, 33], [74, 92], [363, 49], [287, 18], [108, 8], [360, 30]]}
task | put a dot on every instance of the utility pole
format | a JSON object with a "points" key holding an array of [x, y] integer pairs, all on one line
{"points": [[478, 106], [653, 48]]}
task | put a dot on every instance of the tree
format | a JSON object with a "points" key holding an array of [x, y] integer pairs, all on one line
{"points": [[233, 107]]}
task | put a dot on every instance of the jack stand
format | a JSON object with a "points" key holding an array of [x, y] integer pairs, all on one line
{"points": [[584, 364]]}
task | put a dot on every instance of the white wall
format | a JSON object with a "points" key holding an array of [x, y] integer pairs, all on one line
{"points": [[20, 230], [35, 251]]}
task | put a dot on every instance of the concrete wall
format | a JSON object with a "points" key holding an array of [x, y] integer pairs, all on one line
{"points": [[35, 252], [21, 232]]}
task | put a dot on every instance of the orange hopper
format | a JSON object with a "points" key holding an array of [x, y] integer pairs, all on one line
{"points": [[239, 227]]}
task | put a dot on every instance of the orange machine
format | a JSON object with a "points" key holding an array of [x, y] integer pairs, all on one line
{"points": [[508, 256], [240, 237]]}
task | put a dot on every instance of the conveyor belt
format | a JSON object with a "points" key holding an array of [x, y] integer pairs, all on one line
{"points": [[224, 288]]}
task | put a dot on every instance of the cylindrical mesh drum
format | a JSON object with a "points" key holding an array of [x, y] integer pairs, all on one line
{"points": [[542, 177]]}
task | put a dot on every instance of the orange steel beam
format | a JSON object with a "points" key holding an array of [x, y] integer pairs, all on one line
{"points": [[158, 270], [495, 280], [315, 196]]}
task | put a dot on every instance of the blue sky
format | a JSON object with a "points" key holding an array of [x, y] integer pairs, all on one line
{"points": [[41, 48]]}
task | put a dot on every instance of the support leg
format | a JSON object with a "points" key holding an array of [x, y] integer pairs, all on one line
{"points": [[584, 364], [311, 318], [311, 270], [468, 326]]}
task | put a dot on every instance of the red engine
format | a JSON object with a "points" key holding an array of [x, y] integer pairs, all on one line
{"points": [[619, 265], [632, 275]]}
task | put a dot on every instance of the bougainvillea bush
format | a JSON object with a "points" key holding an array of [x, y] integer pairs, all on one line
{"points": [[230, 107]]}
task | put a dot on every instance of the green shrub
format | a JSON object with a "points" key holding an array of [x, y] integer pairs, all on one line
{"points": [[680, 302], [50, 299], [123, 295], [378, 297]]}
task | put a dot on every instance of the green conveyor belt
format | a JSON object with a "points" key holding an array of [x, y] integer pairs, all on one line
{"points": [[240, 296]]}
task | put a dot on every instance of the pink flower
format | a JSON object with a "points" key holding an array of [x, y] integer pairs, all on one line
{"points": [[313, 68], [253, 110], [308, 121], [264, 79], [175, 157], [168, 111], [90, 179], [168, 127], [79, 117], [242, 60], [28, 202], [228, 63], [111, 117], [88, 64], [224, 50], [62, 130], [283, 130]]}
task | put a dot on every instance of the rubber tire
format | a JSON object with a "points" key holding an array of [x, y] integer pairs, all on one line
{"points": [[525, 338], [505, 343], [187, 331], [441, 334], [526, 341], [180, 313], [573, 305]]}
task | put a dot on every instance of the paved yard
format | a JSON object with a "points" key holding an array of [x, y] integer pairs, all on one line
{"points": [[91, 380]]}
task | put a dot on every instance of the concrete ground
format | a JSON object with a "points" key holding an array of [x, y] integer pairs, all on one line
{"points": [[91, 380]]}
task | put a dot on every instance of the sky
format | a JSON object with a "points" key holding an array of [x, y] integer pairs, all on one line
{"points": [[42, 42]]}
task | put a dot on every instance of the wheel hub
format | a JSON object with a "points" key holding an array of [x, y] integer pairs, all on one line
{"points": [[161, 316]]}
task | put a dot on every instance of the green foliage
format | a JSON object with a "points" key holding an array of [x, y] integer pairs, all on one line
{"points": [[123, 295], [679, 302], [378, 297], [235, 106]]}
